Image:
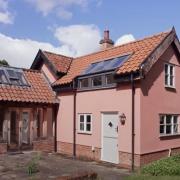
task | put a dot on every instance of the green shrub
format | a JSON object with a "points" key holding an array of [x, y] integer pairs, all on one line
{"points": [[165, 167]]}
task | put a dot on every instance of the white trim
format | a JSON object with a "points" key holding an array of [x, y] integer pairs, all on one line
{"points": [[85, 123], [102, 113], [169, 124], [102, 130], [168, 85]]}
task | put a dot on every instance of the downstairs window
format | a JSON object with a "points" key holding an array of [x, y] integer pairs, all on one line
{"points": [[85, 123], [169, 125]]}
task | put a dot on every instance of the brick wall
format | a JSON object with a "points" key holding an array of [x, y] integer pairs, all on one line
{"points": [[65, 148], [125, 159], [175, 151], [45, 145], [150, 157], [82, 151], [3, 148], [86, 152]]}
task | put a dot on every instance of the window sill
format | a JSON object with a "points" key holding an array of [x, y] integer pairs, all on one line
{"points": [[97, 88], [84, 133], [169, 135], [170, 87]]}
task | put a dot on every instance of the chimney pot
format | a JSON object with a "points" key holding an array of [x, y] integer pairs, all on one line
{"points": [[106, 42], [106, 34]]}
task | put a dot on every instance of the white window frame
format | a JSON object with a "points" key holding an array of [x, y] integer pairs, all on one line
{"points": [[169, 76], [172, 124], [85, 131]]}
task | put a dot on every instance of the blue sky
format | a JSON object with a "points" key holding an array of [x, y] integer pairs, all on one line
{"points": [[74, 27]]}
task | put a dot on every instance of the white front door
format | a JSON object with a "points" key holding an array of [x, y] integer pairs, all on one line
{"points": [[25, 127], [109, 151]]}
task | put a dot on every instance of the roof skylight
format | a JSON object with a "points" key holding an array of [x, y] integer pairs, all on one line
{"points": [[106, 65], [12, 76]]}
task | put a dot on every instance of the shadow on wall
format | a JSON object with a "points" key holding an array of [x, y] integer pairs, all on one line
{"points": [[155, 72]]}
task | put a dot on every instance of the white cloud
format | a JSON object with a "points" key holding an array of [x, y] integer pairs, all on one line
{"points": [[75, 40], [82, 39], [5, 16], [124, 39], [48, 6], [64, 14]]}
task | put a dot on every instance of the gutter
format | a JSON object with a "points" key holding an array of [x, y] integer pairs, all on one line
{"points": [[55, 127], [132, 129], [74, 121]]}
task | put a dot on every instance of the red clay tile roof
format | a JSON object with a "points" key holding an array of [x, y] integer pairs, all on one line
{"points": [[140, 50], [60, 62], [39, 90]]}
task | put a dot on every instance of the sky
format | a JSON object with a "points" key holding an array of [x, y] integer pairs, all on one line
{"points": [[75, 27]]}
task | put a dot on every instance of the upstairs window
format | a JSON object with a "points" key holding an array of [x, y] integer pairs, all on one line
{"points": [[97, 81], [169, 125], [105, 80], [109, 79], [169, 75], [84, 83]]}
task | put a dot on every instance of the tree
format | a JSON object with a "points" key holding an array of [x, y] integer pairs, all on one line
{"points": [[3, 62]]}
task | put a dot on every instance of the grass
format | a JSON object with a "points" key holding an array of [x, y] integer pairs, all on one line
{"points": [[144, 177], [163, 169]]}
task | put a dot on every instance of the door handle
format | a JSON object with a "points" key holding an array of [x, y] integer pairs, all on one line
{"points": [[116, 129]]}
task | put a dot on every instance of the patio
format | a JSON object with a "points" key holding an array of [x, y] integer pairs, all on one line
{"points": [[53, 166]]}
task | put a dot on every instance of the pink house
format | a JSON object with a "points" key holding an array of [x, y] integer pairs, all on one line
{"points": [[120, 104]]}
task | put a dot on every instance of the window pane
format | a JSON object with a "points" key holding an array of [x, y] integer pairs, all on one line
{"points": [[109, 79], [175, 128], [21, 78], [82, 126], [88, 127], [14, 81], [168, 129], [162, 128], [97, 81], [166, 69], [88, 118], [171, 80], [166, 79], [84, 83], [175, 120], [12, 74], [161, 119], [81, 118], [3, 78], [168, 119], [171, 70]]}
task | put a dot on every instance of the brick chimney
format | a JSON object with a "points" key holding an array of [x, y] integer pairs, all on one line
{"points": [[106, 42]]}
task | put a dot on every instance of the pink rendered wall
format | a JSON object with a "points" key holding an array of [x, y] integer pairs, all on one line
{"points": [[65, 118], [95, 102], [155, 99], [48, 74]]}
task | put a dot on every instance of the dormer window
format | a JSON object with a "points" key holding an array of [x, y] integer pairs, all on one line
{"points": [[104, 80], [109, 78], [84, 83], [169, 75], [97, 81]]}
